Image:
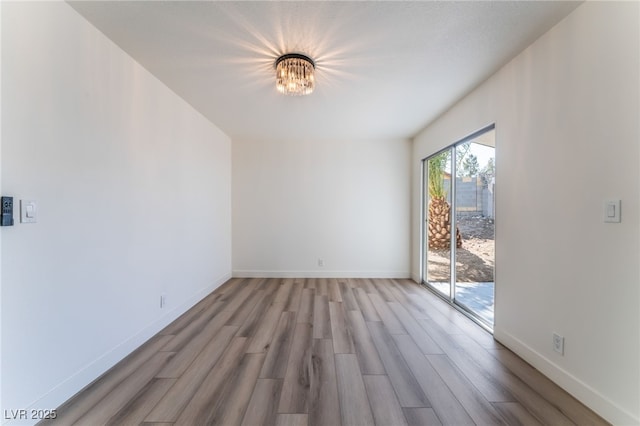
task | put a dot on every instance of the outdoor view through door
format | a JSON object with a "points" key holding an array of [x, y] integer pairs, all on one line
{"points": [[460, 265]]}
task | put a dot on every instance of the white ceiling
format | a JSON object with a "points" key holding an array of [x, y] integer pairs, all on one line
{"points": [[384, 69]]}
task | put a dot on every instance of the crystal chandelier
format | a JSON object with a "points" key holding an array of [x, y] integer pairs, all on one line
{"points": [[294, 74]]}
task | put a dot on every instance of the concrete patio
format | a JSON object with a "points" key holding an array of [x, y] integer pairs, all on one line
{"points": [[478, 297]]}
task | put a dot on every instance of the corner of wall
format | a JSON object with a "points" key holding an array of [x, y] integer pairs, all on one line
{"points": [[97, 367]]}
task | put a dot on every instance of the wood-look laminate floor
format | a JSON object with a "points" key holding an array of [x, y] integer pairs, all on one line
{"points": [[323, 352]]}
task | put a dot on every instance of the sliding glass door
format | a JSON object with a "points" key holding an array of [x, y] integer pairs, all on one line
{"points": [[459, 223]]}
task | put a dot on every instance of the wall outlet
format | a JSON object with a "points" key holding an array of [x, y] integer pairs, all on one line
{"points": [[163, 300], [558, 343], [321, 263]]}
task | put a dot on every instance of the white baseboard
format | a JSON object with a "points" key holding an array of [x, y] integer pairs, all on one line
{"points": [[238, 273], [577, 388], [77, 381]]}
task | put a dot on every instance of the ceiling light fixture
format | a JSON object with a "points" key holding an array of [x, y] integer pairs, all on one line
{"points": [[295, 74]]}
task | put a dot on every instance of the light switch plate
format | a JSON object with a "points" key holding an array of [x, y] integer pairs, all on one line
{"points": [[28, 211], [612, 211]]}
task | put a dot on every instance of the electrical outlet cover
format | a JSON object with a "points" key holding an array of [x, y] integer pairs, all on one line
{"points": [[558, 343]]}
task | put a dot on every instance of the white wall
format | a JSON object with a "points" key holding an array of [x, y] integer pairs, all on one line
{"points": [[133, 190], [344, 201], [566, 113]]}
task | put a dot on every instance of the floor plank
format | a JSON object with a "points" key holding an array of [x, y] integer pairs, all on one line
{"points": [[384, 402], [292, 420], [292, 303], [324, 406], [444, 402], [365, 349], [295, 390], [479, 409], [239, 316], [382, 288], [342, 339], [348, 298], [187, 318], [83, 402], [483, 379], [254, 320], [284, 290], [321, 318], [310, 283], [275, 364], [409, 392], [229, 290], [172, 403], [390, 321], [367, 285], [185, 335], [238, 299], [198, 410], [262, 408], [334, 291], [305, 312], [410, 301], [128, 389], [230, 406], [264, 333], [366, 307], [421, 417], [322, 287], [191, 348], [354, 403], [515, 414], [134, 412], [419, 335], [156, 424]]}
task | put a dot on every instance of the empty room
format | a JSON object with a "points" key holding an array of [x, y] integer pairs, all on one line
{"points": [[320, 213]]}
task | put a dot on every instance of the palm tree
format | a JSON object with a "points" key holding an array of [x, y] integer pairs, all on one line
{"points": [[439, 222]]}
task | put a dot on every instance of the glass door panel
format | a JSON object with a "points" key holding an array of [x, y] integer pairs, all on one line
{"points": [[438, 222], [474, 202]]}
